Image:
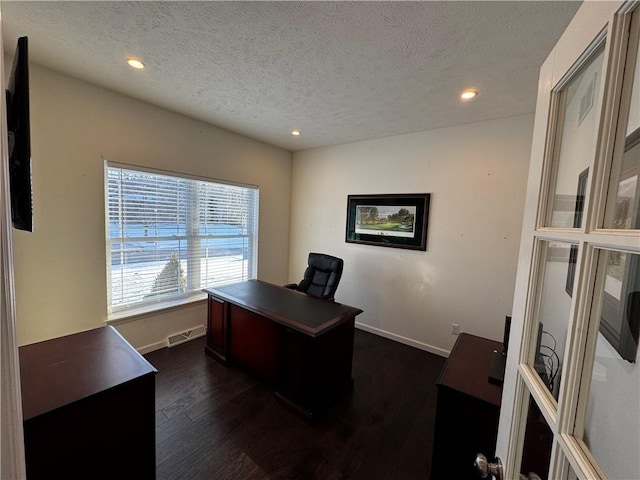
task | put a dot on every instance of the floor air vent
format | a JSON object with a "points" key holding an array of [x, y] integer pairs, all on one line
{"points": [[178, 338]]}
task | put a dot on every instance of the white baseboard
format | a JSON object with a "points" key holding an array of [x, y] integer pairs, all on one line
{"points": [[162, 344], [407, 341], [151, 347], [360, 326]]}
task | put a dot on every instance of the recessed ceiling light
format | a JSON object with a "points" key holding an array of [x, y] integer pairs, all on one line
{"points": [[295, 133], [135, 63], [468, 94]]}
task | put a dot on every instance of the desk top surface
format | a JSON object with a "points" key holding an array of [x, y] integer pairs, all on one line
{"points": [[306, 314], [64, 370], [467, 368]]}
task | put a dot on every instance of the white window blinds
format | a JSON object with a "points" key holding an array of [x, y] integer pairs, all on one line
{"points": [[169, 236]]}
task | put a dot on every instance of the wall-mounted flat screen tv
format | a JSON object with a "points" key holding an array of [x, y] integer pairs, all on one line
{"points": [[19, 140]]}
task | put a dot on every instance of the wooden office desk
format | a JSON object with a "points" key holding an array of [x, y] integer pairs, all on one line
{"points": [[88, 403], [301, 345]]}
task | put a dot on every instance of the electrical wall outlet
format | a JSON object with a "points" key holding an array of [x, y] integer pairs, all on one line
{"points": [[455, 329]]}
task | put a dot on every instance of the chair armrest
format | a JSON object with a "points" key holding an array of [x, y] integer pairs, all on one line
{"points": [[291, 286]]}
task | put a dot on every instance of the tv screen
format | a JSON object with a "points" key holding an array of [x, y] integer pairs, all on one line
{"points": [[19, 140]]}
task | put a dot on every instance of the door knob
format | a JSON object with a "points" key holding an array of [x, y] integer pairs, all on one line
{"points": [[531, 476], [485, 468]]}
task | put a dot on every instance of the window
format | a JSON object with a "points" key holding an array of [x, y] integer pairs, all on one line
{"points": [[170, 236]]}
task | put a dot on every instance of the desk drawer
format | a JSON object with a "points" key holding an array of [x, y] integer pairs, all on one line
{"points": [[254, 343]]}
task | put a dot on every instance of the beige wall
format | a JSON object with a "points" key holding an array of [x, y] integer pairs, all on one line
{"points": [[476, 175], [60, 268]]}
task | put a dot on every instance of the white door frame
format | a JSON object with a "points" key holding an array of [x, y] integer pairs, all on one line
{"points": [[591, 26], [12, 464]]}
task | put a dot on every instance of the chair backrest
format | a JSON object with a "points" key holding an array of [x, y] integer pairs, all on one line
{"points": [[322, 276]]}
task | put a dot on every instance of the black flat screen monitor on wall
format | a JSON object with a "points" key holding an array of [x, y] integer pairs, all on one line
{"points": [[19, 139]]}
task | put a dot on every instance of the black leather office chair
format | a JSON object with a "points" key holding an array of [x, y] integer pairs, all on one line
{"points": [[321, 277]]}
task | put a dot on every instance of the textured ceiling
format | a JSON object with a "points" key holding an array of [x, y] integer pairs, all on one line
{"points": [[338, 71]]}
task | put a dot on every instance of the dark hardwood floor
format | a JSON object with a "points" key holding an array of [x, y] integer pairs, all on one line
{"points": [[215, 422]]}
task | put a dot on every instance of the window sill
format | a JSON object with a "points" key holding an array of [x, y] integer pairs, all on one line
{"points": [[133, 314]]}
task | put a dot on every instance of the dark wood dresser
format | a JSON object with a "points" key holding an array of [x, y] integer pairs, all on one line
{"points": [[88, 404], [467, 410]]}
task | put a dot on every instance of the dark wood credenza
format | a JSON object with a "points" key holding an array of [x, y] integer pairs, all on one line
{"points": [[467, 409], [88, 402], [301, 345]]}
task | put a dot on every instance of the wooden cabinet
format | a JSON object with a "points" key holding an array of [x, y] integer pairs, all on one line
{"points": [[88, 408], [467, 415], [467, 410]]}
